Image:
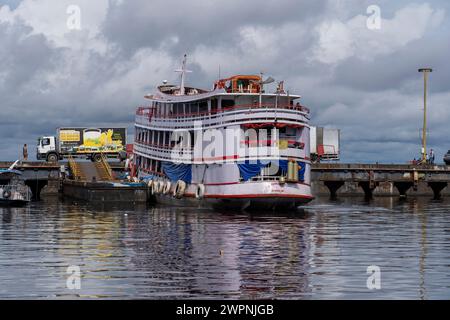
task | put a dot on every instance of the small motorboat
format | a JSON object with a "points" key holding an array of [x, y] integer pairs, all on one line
{"points": [[14, 192]]}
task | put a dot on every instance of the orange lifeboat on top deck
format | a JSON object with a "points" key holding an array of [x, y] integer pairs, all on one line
{"points": [[240, 84]]}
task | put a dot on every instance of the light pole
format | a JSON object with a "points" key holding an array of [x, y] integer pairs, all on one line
{"points": [[425, 72]]}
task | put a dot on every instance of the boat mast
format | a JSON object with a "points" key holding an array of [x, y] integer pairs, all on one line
{"points": [[183, 72]]}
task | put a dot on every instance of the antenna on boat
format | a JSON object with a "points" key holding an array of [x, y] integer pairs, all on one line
{"points": [[261, 83], [183, 72]]}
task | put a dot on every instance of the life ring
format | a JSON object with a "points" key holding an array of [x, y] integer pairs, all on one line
{"points": [[6, 194], [158, 186], [155, 187], [179, 189], [151, 187], [166, 187], [200, 192], [161, 186]]}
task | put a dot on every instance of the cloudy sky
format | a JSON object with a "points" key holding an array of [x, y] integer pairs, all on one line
{"points": [[351, 74]]}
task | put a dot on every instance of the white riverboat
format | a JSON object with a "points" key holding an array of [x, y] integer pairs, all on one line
{"points": [[235, 145]]}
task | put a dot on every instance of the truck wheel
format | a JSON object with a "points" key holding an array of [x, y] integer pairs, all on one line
{"points": [[97, 157], [52, 158]]}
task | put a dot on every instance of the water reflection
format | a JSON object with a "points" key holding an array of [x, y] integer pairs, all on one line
{"points": [[321, 252]]}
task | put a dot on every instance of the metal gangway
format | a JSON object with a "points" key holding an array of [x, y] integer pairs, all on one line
{"points": [[91, 171]]}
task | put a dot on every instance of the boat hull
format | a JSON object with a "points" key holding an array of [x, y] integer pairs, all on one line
{"points": [[262, 204], [266, 196]]}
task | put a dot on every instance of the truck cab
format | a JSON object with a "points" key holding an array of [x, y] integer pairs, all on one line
{"points": [[46, 149]]}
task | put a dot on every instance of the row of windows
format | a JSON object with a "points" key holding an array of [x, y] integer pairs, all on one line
{"points": [[212, 106], [182, 109], [159, 138], [149, 165], [256, 137]]}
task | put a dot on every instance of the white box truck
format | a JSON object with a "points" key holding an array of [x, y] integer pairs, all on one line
{"points": [[89, 143], [324, 144]]}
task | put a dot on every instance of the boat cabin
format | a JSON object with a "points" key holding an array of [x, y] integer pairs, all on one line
{"points": [[240, 84]]}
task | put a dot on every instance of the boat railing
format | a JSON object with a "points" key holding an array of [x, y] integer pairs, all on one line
{"points": [[234, 117], [187, 154], [260, 178], [282, 143], [151, 112]]}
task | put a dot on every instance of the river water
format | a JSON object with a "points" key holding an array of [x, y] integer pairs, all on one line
{"points": [[321, 252]]}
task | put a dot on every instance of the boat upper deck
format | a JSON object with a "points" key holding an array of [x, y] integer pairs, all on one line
{"points": [[249, 85], [234, 95]]}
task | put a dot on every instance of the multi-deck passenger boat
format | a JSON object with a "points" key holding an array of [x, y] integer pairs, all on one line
{"points": [[236, 145]]}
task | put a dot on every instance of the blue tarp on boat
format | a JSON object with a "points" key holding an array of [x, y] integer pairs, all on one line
{"points": [[10, 171], [251, 168], [147, 178], [301, 170], [283, 164], [178, 171]]}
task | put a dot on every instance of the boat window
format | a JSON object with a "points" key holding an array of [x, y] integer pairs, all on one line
{"points": [[213, 105], [291, 132], [203, 107], [227, 104], [243, 85]]}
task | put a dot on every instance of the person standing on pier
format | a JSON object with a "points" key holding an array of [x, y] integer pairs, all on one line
{"points": [[25, 152], [431, 157]]}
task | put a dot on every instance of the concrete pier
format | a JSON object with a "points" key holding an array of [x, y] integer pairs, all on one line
{"points": [[327, 179], [371, 180], [38, 175]]}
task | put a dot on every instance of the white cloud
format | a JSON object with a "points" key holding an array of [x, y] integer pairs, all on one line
{"points": [[49, 17], [339, 40], [51, 76]]}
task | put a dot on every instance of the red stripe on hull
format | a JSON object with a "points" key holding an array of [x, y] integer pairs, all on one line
{"points": [[249, 196], [231, 183]]}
